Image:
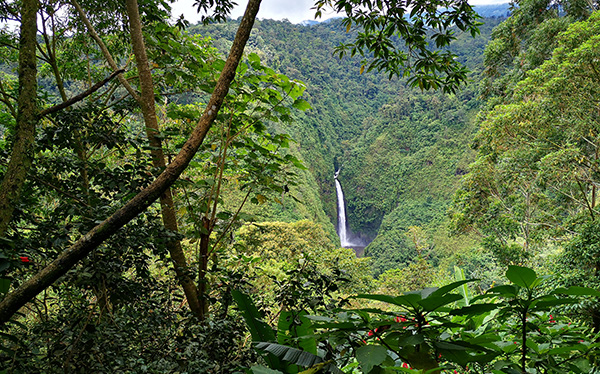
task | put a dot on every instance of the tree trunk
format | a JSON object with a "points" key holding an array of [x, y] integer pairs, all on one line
{"points": [[203, 266], [167, 206], [87, 243], [23, 146]]}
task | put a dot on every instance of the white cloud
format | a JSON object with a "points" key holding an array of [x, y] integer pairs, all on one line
{"points": [[293, 10]]}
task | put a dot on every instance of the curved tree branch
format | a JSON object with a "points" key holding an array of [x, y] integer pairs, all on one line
{"points": [[95, 237], [81, 96]]}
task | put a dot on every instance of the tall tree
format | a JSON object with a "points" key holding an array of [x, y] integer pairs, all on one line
{"points": [[29, 289], [27, 116], [146, 101], [536, 175], [525, 40]]}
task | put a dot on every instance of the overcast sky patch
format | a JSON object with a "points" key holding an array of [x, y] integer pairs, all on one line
{"points": [[294, 11]]}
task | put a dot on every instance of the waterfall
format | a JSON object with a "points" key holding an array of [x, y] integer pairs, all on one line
{"points": [[342, 224]]}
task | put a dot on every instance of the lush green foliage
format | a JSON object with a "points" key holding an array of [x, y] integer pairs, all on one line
{"points": [[535, 177], [425, 28], [508, 329], [256, 208], [532, 192], [90, 160], [524, 41], [149, 331]]}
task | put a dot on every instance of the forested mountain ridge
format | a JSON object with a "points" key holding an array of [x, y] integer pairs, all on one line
{"points": [[401, 151]]}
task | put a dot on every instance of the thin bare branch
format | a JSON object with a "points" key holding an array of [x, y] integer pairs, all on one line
{"points": [[104, 50], [79, 97]]}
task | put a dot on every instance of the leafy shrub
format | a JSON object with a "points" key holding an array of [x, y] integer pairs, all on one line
{"points": [[508, 329]]}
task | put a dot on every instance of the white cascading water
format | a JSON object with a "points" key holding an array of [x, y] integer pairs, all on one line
{"points": [[342, 231]]}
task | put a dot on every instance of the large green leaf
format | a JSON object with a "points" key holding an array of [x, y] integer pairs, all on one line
{"points": [[576, 291], [396, 340], [295, 356], [301, 104], [385, 298], [474, 309], [491, 337], [369, 356], [462, 352], [4, 264], [4, 285], [287, 319], [259, 330], [506, 290], [521, 276], [434, 302], [425, 292], [300, 329], [449, 287], [547, 303], [459, 275], [411, 340], [568, 349]]}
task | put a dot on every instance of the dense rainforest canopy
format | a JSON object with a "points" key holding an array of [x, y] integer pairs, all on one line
{"points": [[167, 199]]}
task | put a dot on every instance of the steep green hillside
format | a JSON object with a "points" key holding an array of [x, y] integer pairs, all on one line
{"points": [[402, 151]]}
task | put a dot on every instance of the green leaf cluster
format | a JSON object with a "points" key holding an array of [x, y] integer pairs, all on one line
{"points": [[506, 329]]}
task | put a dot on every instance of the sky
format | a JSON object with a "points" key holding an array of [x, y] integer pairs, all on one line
{"points": [[294, 11]]}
